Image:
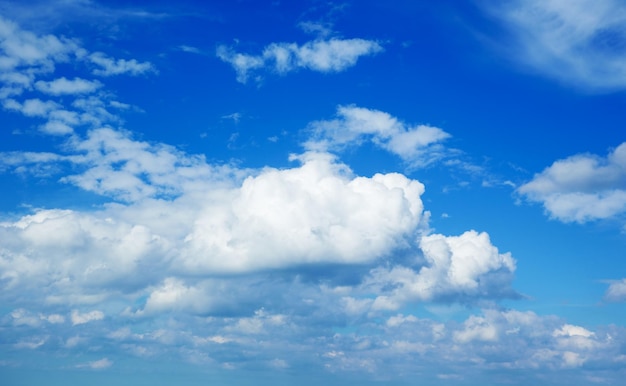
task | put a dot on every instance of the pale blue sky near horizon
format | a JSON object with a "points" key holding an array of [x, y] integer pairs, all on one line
{"points": [[270, 192]]}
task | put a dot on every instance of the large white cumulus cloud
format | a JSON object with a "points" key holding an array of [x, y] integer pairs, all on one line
{"points": [[312, 214]]}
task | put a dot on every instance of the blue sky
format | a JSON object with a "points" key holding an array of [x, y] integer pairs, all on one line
{"points": [[320, 192]]}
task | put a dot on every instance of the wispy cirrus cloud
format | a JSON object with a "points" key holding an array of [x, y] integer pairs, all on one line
{"points": [[331, 55], [579, 43]]}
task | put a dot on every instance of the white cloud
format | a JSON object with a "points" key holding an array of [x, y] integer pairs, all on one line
{"points": [[419, 145], [32, 107], [333, 55], [25, 57], [62, 86], [616, 291], [20, 48], [476, 328], [174, 295], [456, 268], [311, 214], [117, 166], [582, 187], [78, 318], [98, 365], [109, 66], [31, 343], [576, 42]]}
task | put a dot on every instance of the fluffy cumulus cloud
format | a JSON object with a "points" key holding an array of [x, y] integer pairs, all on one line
{"points": [[181, 238], [582, 187], [418, 145], [306, 266], [576, 42], [312, 214], [332, 55], [456, 267]]}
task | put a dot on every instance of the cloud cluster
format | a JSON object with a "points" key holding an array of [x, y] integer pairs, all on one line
{"points": [[27, 62], [233, 268], [332, 55], [418, 145], [581, 188], [576, 42]]}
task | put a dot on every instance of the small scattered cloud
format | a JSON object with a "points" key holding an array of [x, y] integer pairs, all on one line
{"points": [[320, 29], [78, 318], [235, 117], [26, 62], [109, 66], [418, 145], [63, 86], [190, 49], [333, 55], [581, 188], [616, 292], [100, 364]]}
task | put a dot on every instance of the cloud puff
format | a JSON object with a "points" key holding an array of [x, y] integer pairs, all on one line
{"points": [[456, 267], [97, 365], [575, 42], [63, 86], [109, 66], [78, 318], [418, 145], [333, 55], [582, 187], [616, 291]]}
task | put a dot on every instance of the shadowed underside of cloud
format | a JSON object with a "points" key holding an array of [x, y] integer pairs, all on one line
{"points": [[580, 43], [333, 55]]}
